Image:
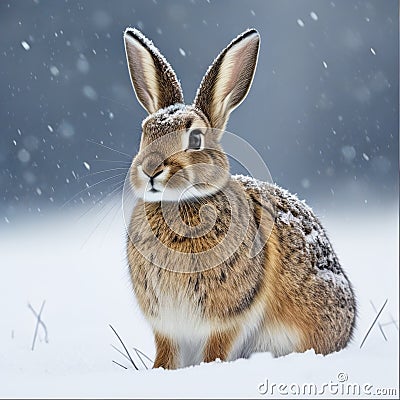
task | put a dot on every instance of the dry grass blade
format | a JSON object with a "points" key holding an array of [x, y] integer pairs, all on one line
{"points": [[123, 345], [38, 322], [140, 358], [120, 352], [122, 366], [380, 326], [373, 323], [46, 336], [138, 352]]}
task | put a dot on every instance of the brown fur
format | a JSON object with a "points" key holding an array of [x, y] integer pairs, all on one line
{"points": [[192, 265], [167, 352], [206, 93], [218, 346]]}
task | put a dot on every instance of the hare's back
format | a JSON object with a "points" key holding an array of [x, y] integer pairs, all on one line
{"points": [[299, 230]]}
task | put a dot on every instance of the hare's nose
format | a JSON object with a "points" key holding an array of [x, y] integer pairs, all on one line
{"points": [[152, 167], [154, 175]]}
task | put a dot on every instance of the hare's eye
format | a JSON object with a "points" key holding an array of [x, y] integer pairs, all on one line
{"points": [[195, 139]]}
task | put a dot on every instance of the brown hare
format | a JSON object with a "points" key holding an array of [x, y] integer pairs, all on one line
{"points": [[222, 266]]}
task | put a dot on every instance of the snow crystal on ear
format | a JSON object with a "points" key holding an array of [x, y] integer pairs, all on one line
{"points": [[165, 66], [148, 44]]}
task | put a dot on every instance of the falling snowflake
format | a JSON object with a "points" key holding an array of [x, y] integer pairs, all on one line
{"points": [[25, 45], [54, 70], [89, 92], [24, 155], [300, 22]]}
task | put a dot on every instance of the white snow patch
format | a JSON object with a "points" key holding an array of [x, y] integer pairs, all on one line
{"points": [[324, 63], [312, 237], [287, 217], [83, 277], [87, 165], [336, 279], [373, 51], [300, 22], [182, 52], [314, 16]]}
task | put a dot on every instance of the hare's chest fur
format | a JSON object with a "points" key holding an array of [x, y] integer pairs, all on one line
{"points": [[179, 315]]}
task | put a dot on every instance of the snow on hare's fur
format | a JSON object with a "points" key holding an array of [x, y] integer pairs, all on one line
{"points": [[288, 296]]}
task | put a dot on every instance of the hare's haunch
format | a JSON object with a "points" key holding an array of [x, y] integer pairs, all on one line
{"points": [[222, 266]]}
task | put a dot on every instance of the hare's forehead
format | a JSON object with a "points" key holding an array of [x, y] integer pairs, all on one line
{"points": [[172, 120]]}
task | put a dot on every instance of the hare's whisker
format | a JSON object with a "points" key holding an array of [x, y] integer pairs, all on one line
{"points": [[89, 187], [101, 220], [109, 148], [114, 186], [112, 161], [117, 102], [117, 209], [101, 172]]}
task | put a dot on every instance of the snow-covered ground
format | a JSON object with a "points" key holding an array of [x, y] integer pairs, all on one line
{"points": [[83, 278]]}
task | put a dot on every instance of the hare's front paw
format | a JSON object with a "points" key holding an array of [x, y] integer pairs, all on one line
{"points": [[218, 345], [167, 353]]}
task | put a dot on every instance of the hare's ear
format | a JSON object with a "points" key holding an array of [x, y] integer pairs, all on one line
{"points": [[228, 79], [155, 83]]}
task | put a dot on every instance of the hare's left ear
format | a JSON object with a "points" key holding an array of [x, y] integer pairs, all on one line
{"points": [[229, 78], [155, 83]]}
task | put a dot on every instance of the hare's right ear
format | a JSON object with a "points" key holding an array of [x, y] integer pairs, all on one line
{"points": [[229, 78], [155, 83]]}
